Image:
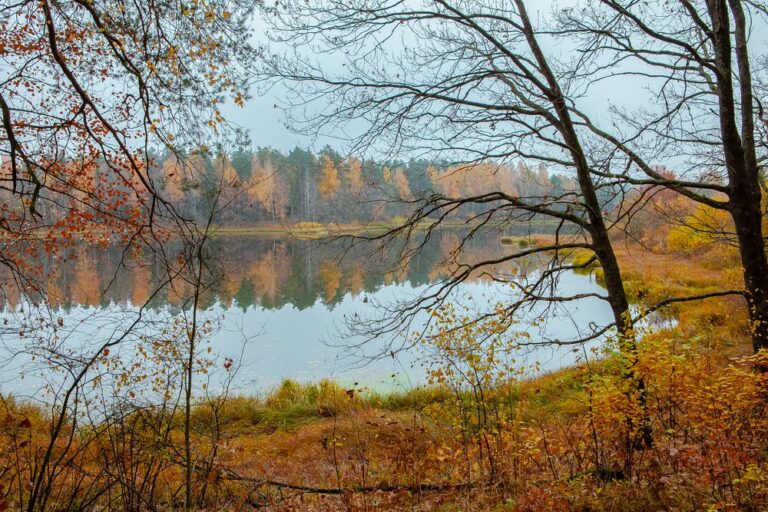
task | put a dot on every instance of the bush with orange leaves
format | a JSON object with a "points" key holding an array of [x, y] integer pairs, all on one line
{"points": [[567, 440]]}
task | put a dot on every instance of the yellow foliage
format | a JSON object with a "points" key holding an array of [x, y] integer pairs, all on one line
{"points": [[705, 226], [329, 178]]}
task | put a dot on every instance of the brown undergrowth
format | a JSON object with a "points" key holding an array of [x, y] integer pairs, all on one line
{"points": [[495, 441]]}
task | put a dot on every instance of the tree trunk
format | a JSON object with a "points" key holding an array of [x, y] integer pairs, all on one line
{"points": [[617, 297], [601, 242], [748, 222], [614, 284], [744, 202]]}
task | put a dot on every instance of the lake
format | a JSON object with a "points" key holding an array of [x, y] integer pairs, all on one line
{"points": [[281, 308]]}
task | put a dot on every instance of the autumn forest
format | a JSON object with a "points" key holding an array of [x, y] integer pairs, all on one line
{"points": [[374, 255], [265, 186]]}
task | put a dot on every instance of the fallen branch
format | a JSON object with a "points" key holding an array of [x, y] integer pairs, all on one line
{"points": [[420, 487], [689, 298]]}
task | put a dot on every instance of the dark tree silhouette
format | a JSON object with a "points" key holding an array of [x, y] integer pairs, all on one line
{"points": [[705, 115], [471, 82]]}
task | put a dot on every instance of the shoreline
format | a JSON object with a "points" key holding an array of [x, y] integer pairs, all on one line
{"points": [[300, 230]]}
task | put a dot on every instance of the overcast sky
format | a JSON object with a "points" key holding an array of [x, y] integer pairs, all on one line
{"points": [[266, 123]]}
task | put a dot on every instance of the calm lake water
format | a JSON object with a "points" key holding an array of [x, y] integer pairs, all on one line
{"points": [[282, 307]]}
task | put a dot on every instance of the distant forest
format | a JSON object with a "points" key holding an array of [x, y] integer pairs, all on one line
{"points": [[269, 186], [266, 186]]}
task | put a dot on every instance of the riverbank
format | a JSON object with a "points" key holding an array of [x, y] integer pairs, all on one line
{"points": [[298, 230], [556, 442], [561, 441], [318, 230]]}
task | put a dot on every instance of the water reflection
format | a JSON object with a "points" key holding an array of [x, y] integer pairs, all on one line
{"points": [[289, 298]]}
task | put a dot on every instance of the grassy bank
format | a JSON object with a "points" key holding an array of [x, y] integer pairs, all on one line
{"points": [[303, 230], [560, 441], [554, 442], [317, 230]]}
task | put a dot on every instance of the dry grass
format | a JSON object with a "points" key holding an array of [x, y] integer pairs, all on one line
{"points": [[557, 442]]}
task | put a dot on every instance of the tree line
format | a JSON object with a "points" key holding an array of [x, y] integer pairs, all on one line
{"points": [[265, 185]]}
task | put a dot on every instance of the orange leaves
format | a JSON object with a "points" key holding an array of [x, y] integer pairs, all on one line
{"points": [[268, 188], [401, 185], [85, 81], [11, 422]]}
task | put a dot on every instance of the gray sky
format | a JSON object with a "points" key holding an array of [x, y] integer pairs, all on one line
{"points": [[266, 123]]}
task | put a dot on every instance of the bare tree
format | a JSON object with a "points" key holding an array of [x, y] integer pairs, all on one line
{"points": [[703, 114], [88, 91], [473, 82]]}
